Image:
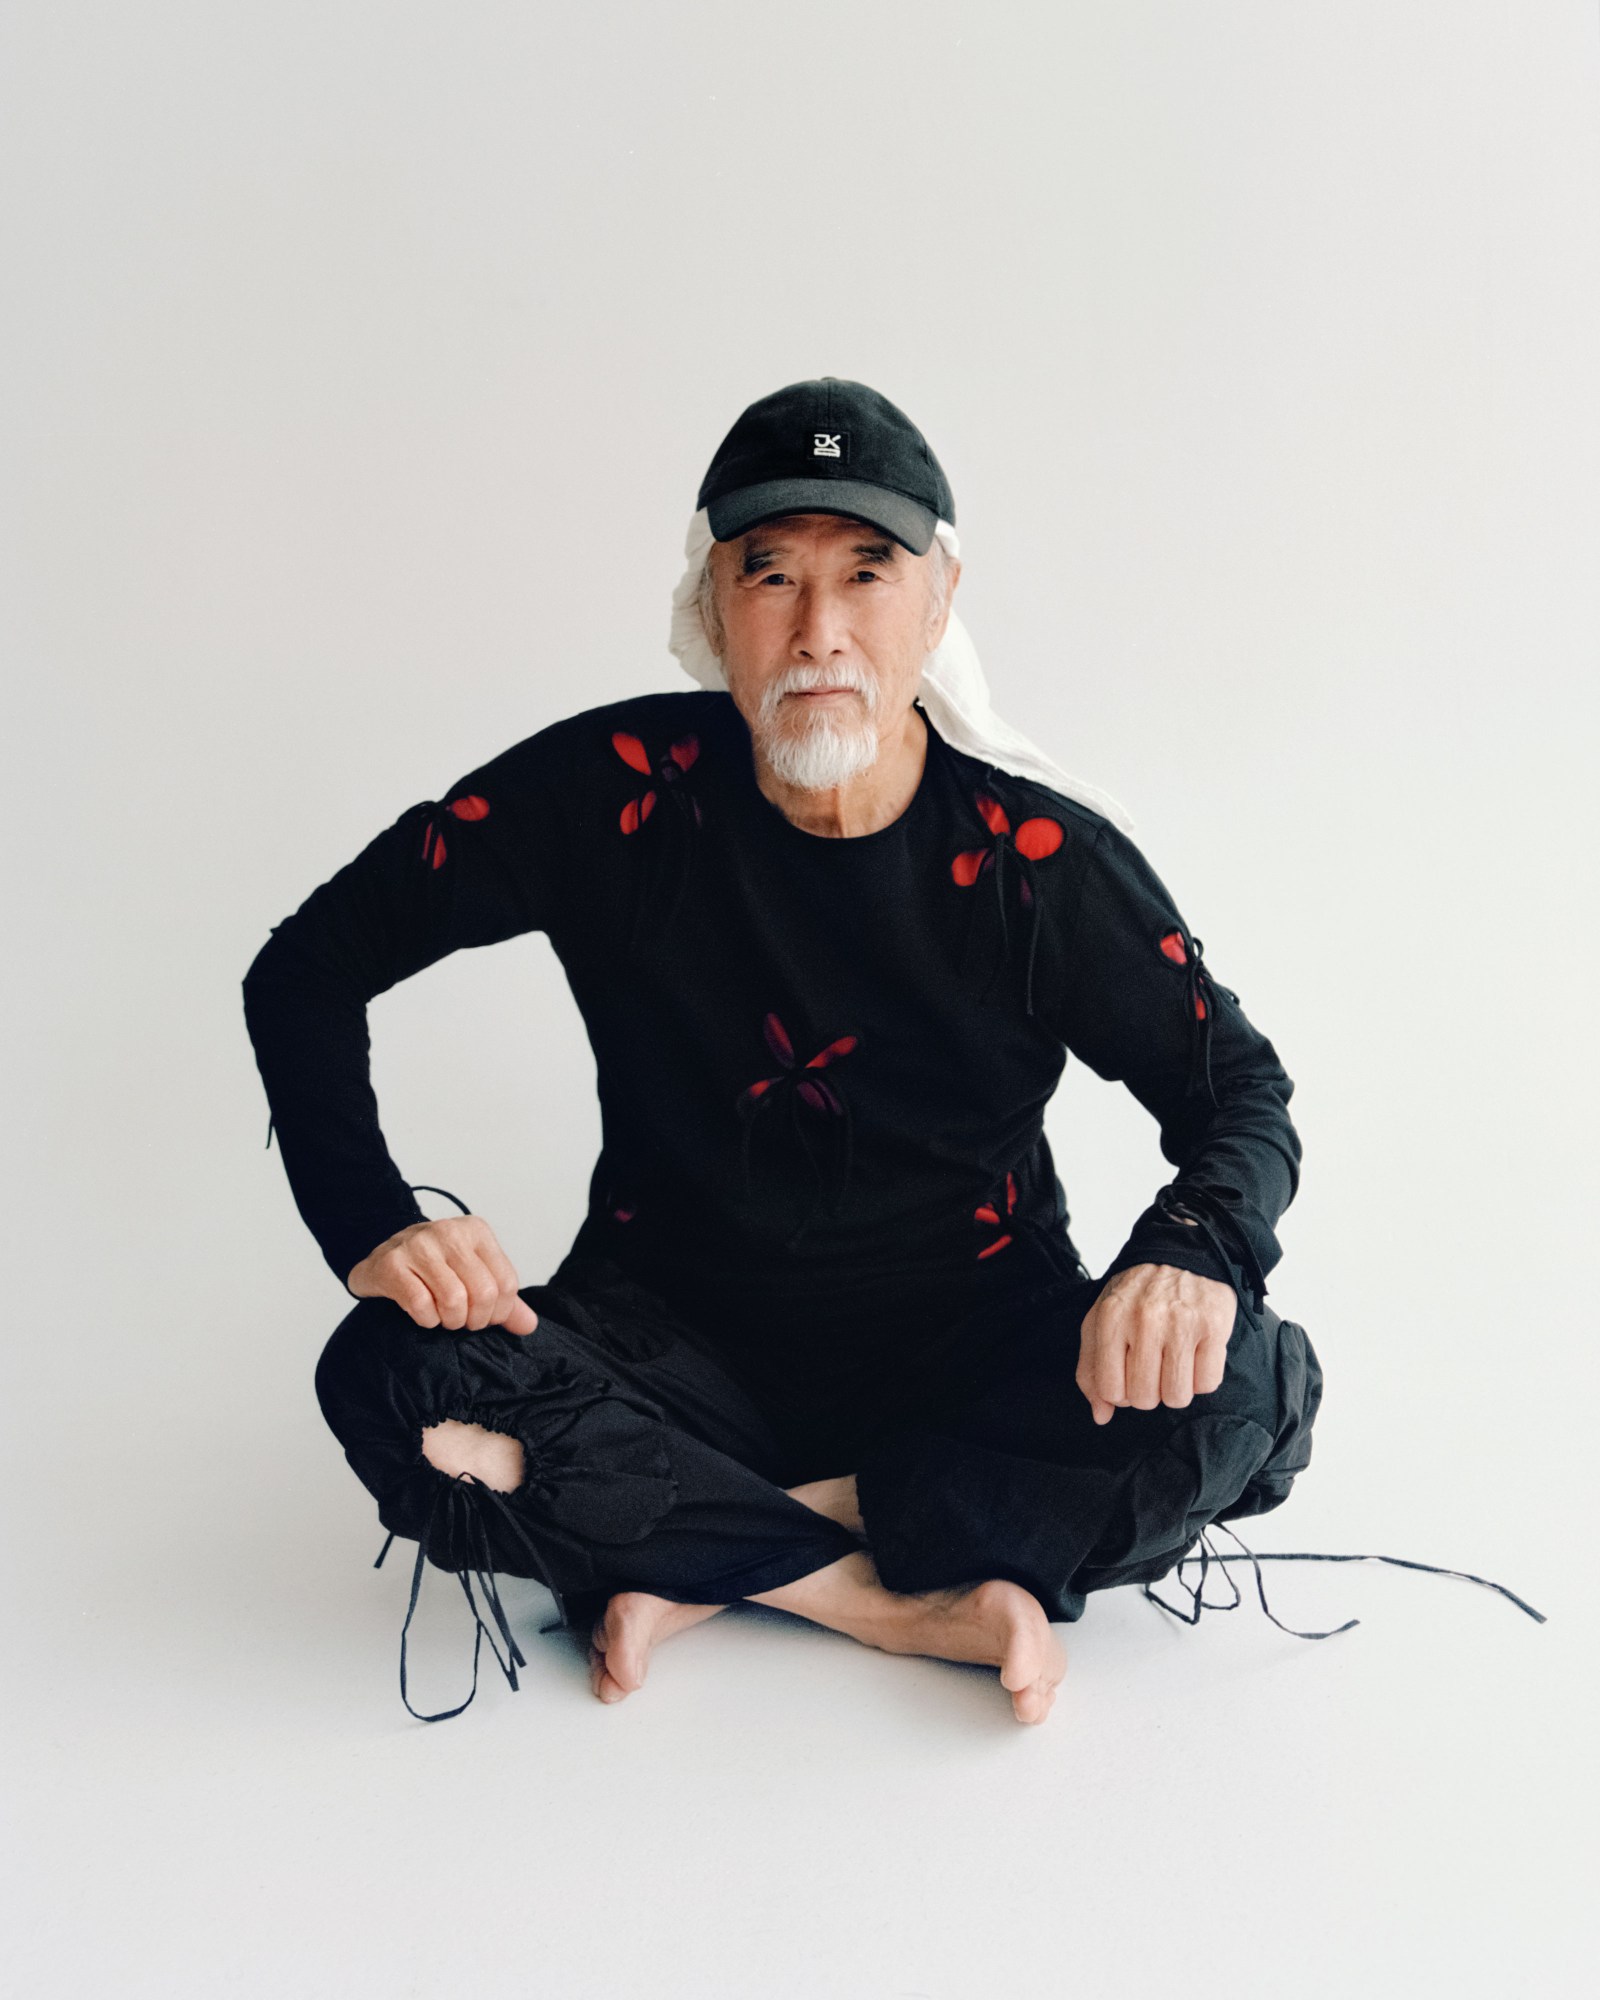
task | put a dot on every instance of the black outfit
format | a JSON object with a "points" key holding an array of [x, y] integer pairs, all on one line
{"points": [[824, 1234]]}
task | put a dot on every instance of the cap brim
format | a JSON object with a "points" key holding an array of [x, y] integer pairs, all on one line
{"points": [[911, 525]]}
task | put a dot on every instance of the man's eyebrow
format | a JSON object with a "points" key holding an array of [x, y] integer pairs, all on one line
{"points": [[758, 556]]}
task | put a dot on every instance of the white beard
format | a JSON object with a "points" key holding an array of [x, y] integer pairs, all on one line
{"points": [[820, 751]]}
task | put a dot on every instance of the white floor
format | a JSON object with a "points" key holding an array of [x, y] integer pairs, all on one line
{"points": [[218, 1791]]}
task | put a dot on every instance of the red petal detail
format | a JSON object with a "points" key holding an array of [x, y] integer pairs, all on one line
{"points": [[427, 839], [624, 1214], [833, 1052], [629, 817], [684, 751], [984, 1213], [1011, 1193], [966, 867], [1172, 947], [470, 807], [777, 1039], [994, 814], [813, 1093], [1038, 837], [630, 750], [1199, 1008], [757, 1090], [647, 806], [438, 850], [989, 1249]]}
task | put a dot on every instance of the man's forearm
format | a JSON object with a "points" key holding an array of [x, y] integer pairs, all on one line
{"points": [[314, 1056]]}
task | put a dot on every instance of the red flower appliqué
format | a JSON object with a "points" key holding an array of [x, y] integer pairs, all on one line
{"points": [[1183, 949], [468, 807], [1034, 839], [667, 770], [1172, 948], [995, 1215], [810, 1087]]}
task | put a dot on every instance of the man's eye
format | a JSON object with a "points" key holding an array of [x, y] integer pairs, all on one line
{"points": [[870, 574]]}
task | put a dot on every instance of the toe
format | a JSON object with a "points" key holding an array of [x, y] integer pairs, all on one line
{"points": [[1034, 1703], [605, 1685]]}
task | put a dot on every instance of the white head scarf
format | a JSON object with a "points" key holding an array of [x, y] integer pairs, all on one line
{"points": [[952, 690]]}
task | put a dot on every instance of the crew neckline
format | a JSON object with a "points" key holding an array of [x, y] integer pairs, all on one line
{"points": [[784, 827]]}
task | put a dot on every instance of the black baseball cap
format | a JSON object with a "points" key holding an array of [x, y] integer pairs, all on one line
{"points": [[827, 447]]}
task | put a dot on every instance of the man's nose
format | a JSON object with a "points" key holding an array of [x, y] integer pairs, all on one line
{"points": [[820, 627]]}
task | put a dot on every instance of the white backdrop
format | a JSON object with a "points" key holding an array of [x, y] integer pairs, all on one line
{"points": [[361, 362]]}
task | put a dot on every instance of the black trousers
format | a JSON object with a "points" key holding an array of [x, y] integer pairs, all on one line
{"points": [[656, 1451]]}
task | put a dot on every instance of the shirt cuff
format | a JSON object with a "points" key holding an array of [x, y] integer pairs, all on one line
{"points": [[1157, 1239], [343, 1248]]}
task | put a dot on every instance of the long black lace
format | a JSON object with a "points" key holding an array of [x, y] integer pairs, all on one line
{"points": [[1209, 1555], [479, 1565], [423, 1187], [1007, 857], [678, 809], [1194, 1202], [1200, 988], [830, 1170]]}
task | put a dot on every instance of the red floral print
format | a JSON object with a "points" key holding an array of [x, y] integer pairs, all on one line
{"points": [[809, 1087], [1035, 839], [667, 770], [995, 1215], [468, 807]]}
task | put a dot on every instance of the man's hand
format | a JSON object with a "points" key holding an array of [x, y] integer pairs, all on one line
{"points": [[1154, 1335], [449, 1273]]}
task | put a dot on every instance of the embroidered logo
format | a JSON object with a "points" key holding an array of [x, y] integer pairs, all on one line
{"points": [[827, 444]]}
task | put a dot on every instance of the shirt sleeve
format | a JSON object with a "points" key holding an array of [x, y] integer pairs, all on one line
{"points": [[1139, 1006], [462, 871]]}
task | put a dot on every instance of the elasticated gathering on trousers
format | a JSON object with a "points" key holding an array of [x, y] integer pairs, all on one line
{"points": [[650, 1465]]}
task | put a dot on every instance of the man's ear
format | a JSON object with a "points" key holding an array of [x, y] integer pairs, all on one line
{"points": [[936, 628]]}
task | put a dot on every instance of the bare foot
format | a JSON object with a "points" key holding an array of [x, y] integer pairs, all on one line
{"points": [[635, 1622], [995, 1624], [627, 1631]]}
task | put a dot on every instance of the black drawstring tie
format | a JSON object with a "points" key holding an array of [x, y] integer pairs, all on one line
{"points": [[1003, 859], [1202, 1004], [830, 1170], [1193, 1202], [475, 1534], [1007, 856], [423, 1187], [808, 1093], [678, 815], [1255, 1558]]}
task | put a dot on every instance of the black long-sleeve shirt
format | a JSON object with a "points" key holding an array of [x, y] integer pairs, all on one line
{"points": [[822, 1063]]}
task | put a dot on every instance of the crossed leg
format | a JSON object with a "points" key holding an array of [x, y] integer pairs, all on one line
{"points": [[996, 1623]]}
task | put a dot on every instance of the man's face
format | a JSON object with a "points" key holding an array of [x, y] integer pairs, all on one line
{"points": [[824, 626]]}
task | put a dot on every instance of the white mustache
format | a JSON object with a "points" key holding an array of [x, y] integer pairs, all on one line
{"points": [[803, 680]]}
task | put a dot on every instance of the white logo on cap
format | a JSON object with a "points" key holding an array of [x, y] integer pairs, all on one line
{"points": [[825, 444]]}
